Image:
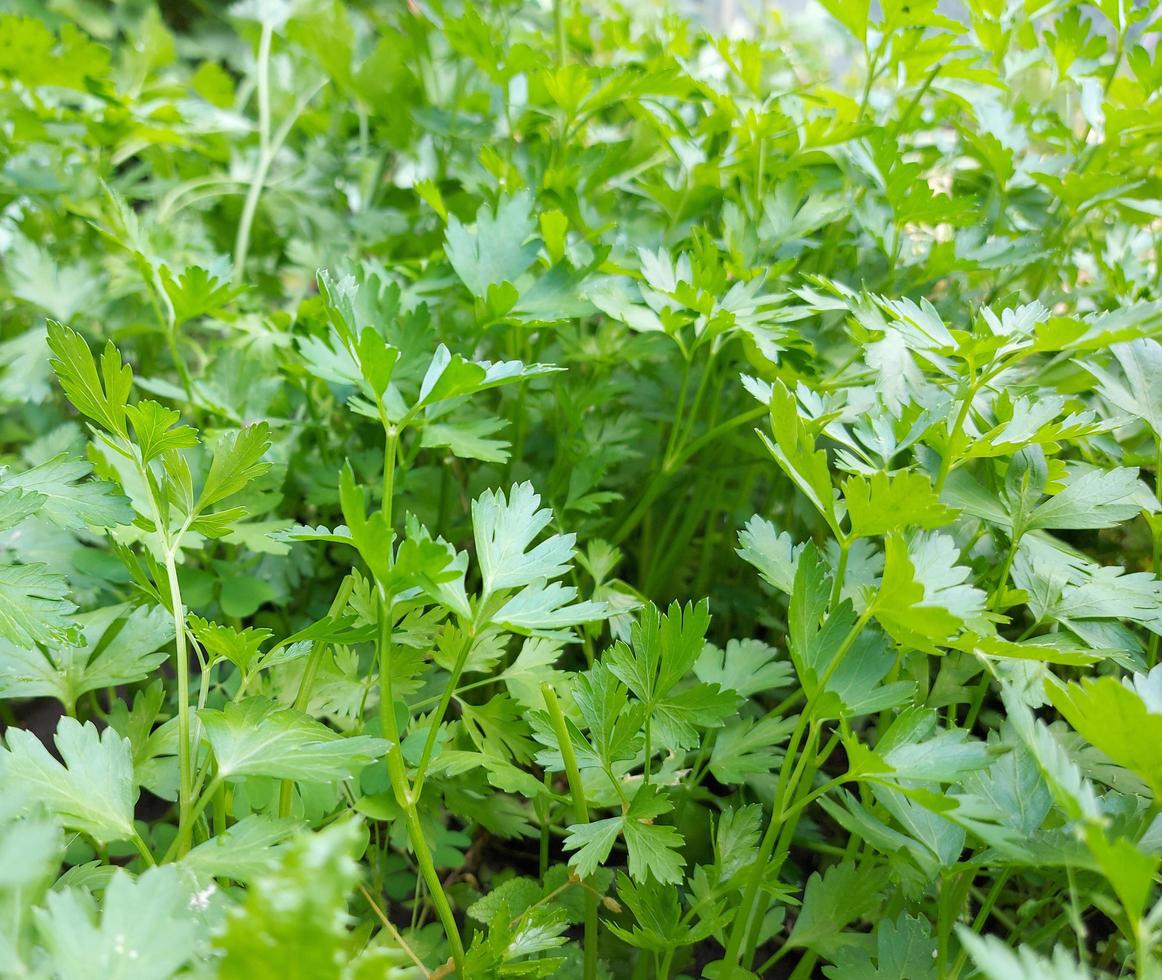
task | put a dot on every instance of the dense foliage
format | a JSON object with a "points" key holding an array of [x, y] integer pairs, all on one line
{"points": [[518, 490]]}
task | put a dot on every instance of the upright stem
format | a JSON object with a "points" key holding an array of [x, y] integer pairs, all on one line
{"points": [[442, 707], [746, 910], [559, 30], [307, 682], [1156, 535], [182, 665], [581, 811], [405, 795], [250, 206], [953, 446]]}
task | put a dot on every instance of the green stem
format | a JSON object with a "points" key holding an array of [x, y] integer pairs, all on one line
{"points": [[143, 849], [1157, 537], [406, 797], [840, 572], [442, 707], [559, 31], [679, 411], [182, 666], [999, 592], [982, 916], [250, 206], [307, 682], [581, 811], [954, 435], [742, 921]]}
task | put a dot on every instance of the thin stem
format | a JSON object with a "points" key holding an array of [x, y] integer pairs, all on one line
{"points": [[1156, 534], [441, 708], [679, 411], [746, 908], [307, 682], [182, 665], [981, 918], [581, 811], [1002, 582], [143, 849], [559, 30], [952, 448], [262, 70], [405, 795], [406, 798], [840, 572], [395, 933]]}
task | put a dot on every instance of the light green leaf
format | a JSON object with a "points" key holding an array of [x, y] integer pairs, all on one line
{"points": [[257, 737], [102, 397], [1093, 499], [146, 928], [1113, 717], [92, 791], [237, 460], [245, 851], [497, 250], [891, 503], [746, 667], [997, 961], [505, 528], [852, 14], [33, 603], [115, 647], [772, 552], [70, 501]]}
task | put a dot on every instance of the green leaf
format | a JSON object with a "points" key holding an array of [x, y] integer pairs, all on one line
{"points": [[497, 250], [196, 292], [852, 14], [842, 895], [651, 847], [997, 961], [257, 737], [746, 667], [663, 648], [794, 450], [245, 851], [468, 439], [1093, 499], [1113, 717], [146, 928], [904, 948], [505, 528], [92, 791], [1138, 389], [748, 749], [892, 503], [772, 552], [924, 598], [102, 397], [114, 646], [16, 506], [153, 428], [70, 501], [237, 461], [32, 604], [240, 647]]}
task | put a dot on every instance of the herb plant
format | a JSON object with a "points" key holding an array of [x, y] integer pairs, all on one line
{"points": [[514, 490]]}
